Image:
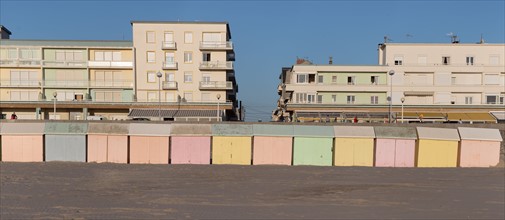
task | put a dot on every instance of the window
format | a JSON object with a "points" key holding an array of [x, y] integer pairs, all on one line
{"points": [[312, 78], [169, 37], [501, 100], [374, 100], [29, 54], [188, 77], [188, 37], [151, 57], [152, 96], [301, 97], [494, 60], [333, 79], [169, 58], [8, 53], [398, 60], [170, 97], [319, 99], [374, 80], [469, 60], [69, 55], [446, 60], [188, 57], [206, 56], [206, 77], [107, 56], [108, 96], [334, 98], [301, 78], [24, 96], [205, 97], [169, 77], [151, 77], [24, 78], [188, 96], [311, 98], [150, 37], [468, 100], [350, 80], [351, 99], [491, 99], [320, 79]]}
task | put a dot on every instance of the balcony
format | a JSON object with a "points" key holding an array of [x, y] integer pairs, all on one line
{"points": [[216, 85], [110, 64], [111, 84], [77, 64], [86, 84], [20, 63], [20, 83], [172, 85], [169, 65], [216, 65], [168, 45], [216, 45]]}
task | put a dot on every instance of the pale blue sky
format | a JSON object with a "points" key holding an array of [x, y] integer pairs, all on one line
{"points": [[269, 35]]}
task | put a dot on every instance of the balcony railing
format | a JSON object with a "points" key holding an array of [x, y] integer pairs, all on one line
{"points": [[216, 85], [18, 62], [110, 64], [169, 65], [169, 85], [168, 45], [64, 63], [216, 65], [20, 83], [216, 45], [86, 84]]}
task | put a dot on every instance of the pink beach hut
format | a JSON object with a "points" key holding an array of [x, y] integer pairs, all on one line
{"points": [[272, 144], [190, 143], [22, 142], [108, 142], [395, 146], [479, 147]]}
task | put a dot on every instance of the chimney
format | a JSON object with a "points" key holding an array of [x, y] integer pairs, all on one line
{"points": [[331, 60], [4, 32], [299, 60]]}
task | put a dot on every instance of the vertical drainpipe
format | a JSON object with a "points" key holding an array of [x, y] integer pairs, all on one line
{"points": [[134, 73]]}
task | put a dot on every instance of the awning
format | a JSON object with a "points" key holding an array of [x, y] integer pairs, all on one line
{"points": [[416, 93], [499, 115], [470, 117], [171, 113]]}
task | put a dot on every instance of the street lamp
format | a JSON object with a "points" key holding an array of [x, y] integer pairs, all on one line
{"points": [[54, 95], [218, 96], [403, 100], [391, 73], [159, 94]]}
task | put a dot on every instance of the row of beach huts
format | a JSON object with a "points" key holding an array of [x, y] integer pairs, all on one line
{"points": [[248, 144]]}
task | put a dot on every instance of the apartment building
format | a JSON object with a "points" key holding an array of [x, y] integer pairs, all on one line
{"points": [[170, 71], [192, 63], [81, 77], [430, 82]]}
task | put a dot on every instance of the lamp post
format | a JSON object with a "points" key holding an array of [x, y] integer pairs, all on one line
{"points": [[54, 99], [403, 100], [391, 73], [218, 96], [159, 94]]}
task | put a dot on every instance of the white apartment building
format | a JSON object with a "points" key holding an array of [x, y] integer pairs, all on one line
{"points": [[192, 62], [438, 82]]}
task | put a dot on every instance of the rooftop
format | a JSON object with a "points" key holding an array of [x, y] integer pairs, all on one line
{"points": [[66, 43]]}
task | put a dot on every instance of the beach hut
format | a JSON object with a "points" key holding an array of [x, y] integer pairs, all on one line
{"points": [[190, 143], [231, 144], [354, 145], [313, 145], [437, 147], [65, 141], [108, 142], [22, 142], [149, 143], [479, 147], [395, 146], [272, 144]]}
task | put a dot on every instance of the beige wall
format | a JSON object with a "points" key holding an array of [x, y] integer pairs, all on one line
{"points": [[178, 30]]}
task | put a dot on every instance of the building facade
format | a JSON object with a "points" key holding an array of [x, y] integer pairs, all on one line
{"points": [[118, 80], [431, 82]]}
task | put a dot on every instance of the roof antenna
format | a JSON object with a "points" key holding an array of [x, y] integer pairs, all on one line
{"points": [[481, 39], [387, 39]]}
